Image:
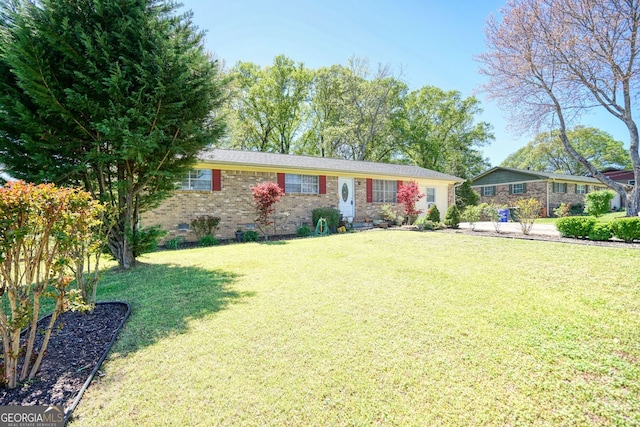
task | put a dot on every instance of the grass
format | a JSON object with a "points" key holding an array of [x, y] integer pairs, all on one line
{"points": [[376, 328]]}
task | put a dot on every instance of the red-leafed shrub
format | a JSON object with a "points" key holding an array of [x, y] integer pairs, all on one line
{"points": [[265, 196], [409, 194]]}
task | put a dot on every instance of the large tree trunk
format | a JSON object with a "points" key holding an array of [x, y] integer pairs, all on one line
{"points": [[633, 198], [121, 248]]}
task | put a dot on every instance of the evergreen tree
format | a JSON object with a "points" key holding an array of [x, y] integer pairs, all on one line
{"points": [[118, 96]]}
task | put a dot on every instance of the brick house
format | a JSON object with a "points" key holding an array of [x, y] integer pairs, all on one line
{"points": [[622, 176], [221, 182], [506, 186]]}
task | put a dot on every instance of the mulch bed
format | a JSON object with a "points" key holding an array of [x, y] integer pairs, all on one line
{"points": [[77, 344]]}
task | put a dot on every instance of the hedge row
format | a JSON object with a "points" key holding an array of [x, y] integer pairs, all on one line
{"points": [[626, 229]]}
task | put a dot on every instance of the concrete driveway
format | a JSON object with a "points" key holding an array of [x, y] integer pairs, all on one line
{"points": [[514, 227]]}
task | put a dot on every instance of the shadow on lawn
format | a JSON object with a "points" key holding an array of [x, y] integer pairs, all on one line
{"points": [[164, 298]]}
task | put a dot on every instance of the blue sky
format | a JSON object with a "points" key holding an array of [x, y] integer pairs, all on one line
{"points": [[432, 41]]}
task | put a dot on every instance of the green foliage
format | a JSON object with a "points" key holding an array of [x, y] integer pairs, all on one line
{"points": [[205, 225], [251, 236], [424, 223], [303, 231], [146, 239], [562, 211], [387, 213], [208, 240], [471, 214], [627, 229], [493, 213], [600, 232], [575, 226], [597, 203], [546, 152], [466, 196], [46, 234], [527, 210], [440, 131], [577, 209], [268, 103], [174, 243], [332, 215], [452, 217], [433, 213], [119, 96]]}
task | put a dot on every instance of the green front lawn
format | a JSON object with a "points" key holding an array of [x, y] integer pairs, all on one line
{"points": [[376, 328]]}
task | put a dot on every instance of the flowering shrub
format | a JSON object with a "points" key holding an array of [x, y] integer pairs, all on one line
{"points": [[527, 210], [265, 196], [46, 233]]}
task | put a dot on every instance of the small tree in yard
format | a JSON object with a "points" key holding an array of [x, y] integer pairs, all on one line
{"points": [[597, 203], [493, 212], [471, 214], [433, 213], [527, 211], [452, 217], [45, 236], [409, 194], [116, 96], [265, 196]]}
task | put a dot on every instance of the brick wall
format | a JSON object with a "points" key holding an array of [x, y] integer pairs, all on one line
{"points": [[234, 205]]}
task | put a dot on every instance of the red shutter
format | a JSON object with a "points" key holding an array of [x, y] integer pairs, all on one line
{"points": [[369, 190], [322, 183], [398, 190], [216, 180], [281, 181]]}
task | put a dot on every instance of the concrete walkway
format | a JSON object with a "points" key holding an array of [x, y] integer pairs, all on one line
{"points": [[514, 227]]}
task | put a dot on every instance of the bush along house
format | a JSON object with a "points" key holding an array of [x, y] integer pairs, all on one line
{"points": [[220, 185], [506, 185]]}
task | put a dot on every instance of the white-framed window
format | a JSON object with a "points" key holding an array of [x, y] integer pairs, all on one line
{"points": [[632, 182], [385, 191], [581, 189], [489, 191], [430, 195], [305, 184], [197, 179], [559, 187], [517, 189]]}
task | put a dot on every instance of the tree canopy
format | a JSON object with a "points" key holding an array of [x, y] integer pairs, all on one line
{"points": [[355, 112], [437, 131], [546, 152], [550, 61], [118, 96]]}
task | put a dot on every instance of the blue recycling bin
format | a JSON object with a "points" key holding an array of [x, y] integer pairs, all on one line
{"points": [[503, 215]]}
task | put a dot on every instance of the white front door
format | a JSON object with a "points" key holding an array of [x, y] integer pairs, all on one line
{"points": [[345, 197]]}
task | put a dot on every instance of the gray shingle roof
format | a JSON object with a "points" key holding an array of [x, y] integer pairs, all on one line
{"points": [[543, 175], [288, 161]]}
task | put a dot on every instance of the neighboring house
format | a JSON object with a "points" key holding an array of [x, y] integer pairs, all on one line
{"points": [[506, 186], [623, 177], [220, 185]]}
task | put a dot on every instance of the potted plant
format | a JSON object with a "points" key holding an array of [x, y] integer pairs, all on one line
{"points": [[239, 235]]}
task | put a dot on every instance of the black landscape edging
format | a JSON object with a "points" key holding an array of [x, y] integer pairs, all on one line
{"points": [[86, 384]]}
